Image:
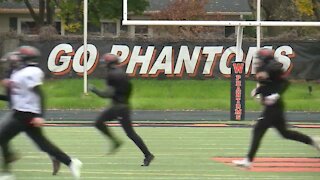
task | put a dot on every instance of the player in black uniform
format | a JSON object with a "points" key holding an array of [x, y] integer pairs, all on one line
{"points": [[272, 85], [119, 90], [27, 103]]}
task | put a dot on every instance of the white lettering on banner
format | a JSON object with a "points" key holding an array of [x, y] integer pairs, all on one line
{"points": [[225, 61], [251, 60], [63, 57], [122, 51], [283, 55], [141, 60], [212, 53], [56, 57], [185, 60], [92, 59], [163, 62], [59, 60]]}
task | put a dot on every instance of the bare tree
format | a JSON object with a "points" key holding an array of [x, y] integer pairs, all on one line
{"points": [[184, 10]]}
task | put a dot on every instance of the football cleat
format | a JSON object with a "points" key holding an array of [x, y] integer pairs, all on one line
{"points": [[147, 160], [7, 176], [75, 167], [242, 163], [316, 142]]}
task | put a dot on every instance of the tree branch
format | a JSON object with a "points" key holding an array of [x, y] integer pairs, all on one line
{"points": [[32, 13]]}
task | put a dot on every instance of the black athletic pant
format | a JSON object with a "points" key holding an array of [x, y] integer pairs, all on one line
{"points": [[7, 153], [21, 122], [273, 116], [122, 112]]}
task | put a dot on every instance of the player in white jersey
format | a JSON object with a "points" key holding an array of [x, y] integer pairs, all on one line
{"points": [[9, 64], [28, 106]]}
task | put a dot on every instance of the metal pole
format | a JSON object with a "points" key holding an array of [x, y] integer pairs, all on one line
{"points": [[258, 36], [125, 10], [258, 27], [239, 43], [85, 46]]}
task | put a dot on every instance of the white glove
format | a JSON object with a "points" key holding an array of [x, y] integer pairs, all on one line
{"points": [[262, 75], [271, 99], [256, 97], [253, 92]]}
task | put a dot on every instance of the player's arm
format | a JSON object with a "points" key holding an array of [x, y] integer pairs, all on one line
{"points": [[5, 83], [35, 83], [39, 92], [108, 93], [39, 121]]}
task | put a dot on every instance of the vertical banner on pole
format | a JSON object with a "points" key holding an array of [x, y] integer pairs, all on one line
{"points": [[237, 111]]}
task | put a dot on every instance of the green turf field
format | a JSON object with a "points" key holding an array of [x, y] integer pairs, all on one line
{"points": [[150, 94], [181, 153]]}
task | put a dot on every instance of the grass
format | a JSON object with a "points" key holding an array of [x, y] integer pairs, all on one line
{"points": [[174, 95], [181, 153]]}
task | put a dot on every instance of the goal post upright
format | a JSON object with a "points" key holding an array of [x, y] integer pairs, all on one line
{"points": [[239, 24], [125, 11]]}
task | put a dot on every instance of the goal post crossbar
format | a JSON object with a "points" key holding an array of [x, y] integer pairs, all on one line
{"points": [[239, 35], [220, 23], [256, 23]]}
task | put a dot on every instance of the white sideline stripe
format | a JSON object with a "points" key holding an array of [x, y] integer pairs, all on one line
{"points": [[116, 172], [185, 178]]}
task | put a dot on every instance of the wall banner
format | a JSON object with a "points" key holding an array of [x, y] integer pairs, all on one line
{"points": [[168, 60]]}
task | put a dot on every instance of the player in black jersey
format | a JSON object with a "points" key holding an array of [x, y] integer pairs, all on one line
{"points": [[272, 85], [119, 91]]}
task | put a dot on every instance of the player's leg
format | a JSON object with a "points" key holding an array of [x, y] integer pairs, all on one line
{"points": [[125, 120], [55, 165], [56, 154], [7, 152], [281, 126], [36, 134], [108, 115], [8, 131], [257, 134]]}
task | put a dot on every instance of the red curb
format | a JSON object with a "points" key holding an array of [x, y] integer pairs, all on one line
{"points": [[306, 126], [277, 164], [285, 169]]}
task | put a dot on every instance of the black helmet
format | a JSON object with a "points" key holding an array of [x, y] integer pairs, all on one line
{"points": [[110, 59], [265, 55], [29, 54]]}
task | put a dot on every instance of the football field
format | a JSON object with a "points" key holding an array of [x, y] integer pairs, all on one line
{"points": [[181, 153]]}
